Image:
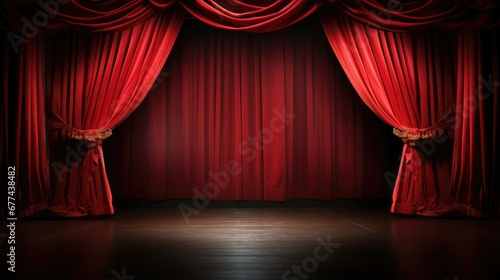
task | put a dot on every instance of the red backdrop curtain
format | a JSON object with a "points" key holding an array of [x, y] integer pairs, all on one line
{"points": [[276, 105], [23, 126], [475, 186], [93, 83], [404, 79]]}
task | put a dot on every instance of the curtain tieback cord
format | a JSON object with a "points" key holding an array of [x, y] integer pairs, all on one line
{"points": [[411, 136], [93, 137]]}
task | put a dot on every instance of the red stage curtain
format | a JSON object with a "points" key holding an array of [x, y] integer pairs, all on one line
{"points": [[276, 105], [475, 186], [23, 127], [448, 15], [94, 81], [258, 16], [407, 79]]}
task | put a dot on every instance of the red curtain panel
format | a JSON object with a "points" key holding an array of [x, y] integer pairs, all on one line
{"points": [[24, 91], [403, 78], [94, 81], [23, 127], [475, 185], [276, 107]]}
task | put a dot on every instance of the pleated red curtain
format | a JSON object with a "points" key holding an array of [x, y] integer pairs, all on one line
{"points": [[240, 116], [407, 79], [475, 187], [23, 126], [94, 81]]}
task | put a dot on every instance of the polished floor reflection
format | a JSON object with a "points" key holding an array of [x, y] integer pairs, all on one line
{"points": [[258, 243]]}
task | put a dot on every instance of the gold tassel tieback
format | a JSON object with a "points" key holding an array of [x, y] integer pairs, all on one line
{"points": [[93, 139], [411, 136]]}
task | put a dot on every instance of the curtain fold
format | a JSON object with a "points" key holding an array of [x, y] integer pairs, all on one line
{"points": [[28, 17], [403, 78], [277, 108], [94, 81], [55, 16], [405, 16], [256, 16], [475, 188], [23, 127]]}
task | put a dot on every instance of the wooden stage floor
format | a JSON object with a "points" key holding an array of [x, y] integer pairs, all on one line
{"points": [[257, 243]]}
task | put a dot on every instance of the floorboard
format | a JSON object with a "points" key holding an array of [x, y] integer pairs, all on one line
{"points": [[257, 243]]}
